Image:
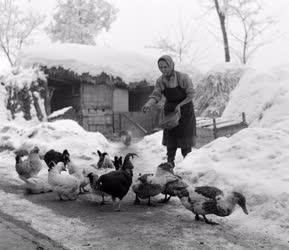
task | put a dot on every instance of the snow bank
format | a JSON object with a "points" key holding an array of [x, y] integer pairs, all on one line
{"points": [[253, 162], [264, 97], [131, 67], [58, 135], [213, 90]]}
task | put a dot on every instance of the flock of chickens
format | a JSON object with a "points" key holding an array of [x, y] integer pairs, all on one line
{"points": [[116, 183]]}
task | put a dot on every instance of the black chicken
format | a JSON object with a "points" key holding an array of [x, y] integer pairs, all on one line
{"points": [[54, 156], [117, 183]]}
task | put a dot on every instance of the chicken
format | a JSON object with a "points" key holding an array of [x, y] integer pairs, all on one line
{"points": [[150, 185], [173, 186], [117, 183], [66, 186], [93, 177], [146, 187], [117, 162], [29, 167], [78, 172], [104, 161], [55, 156], [210, 200], [38, 184], [126, 137]]}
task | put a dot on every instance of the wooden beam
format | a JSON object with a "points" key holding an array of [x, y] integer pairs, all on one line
{"points": [[136, 124]]}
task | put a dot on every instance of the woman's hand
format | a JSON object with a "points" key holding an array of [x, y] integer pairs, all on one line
{"points": [[178, 108], [194, 141], [146, 108]]}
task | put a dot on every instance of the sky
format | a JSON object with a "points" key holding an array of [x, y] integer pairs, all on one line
{"points": [[140, 23]]}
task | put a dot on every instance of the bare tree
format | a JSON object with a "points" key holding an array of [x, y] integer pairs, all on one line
{"points": [[15, 28], [223, 12], [181, 45], [253, 25]]}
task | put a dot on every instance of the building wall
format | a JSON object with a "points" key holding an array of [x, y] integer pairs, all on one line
{"points": [[97, 103], [120, 100], [97, 96], [138, 97]]}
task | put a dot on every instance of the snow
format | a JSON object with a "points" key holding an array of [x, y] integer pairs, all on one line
{"points": [[129, 66], [59, 112], [253, 161], [20, 77], [268, 94]]}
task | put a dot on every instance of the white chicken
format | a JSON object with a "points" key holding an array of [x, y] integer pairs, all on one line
{"points": [[38, 184], [29, 167], [66, 186], [80, 172], [126, 137]]}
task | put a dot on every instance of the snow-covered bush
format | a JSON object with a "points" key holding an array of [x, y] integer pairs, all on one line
{"points": [[213, 90], [25, 92]]}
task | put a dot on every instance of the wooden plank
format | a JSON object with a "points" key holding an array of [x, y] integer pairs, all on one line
{"points": [[135, 123]]}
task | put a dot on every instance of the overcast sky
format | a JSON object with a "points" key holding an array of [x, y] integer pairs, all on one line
{"points": [[142, 22]]}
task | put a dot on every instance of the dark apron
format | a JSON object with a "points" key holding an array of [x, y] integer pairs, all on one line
{"points": [[182, 135]]}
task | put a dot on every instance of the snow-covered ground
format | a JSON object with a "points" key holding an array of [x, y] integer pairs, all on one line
{"points": [[253, 161]]}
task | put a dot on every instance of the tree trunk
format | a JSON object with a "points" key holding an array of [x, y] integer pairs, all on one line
{"points": [[37, 107], [224, 31]]}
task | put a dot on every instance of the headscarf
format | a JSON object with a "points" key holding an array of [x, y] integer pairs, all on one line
{"points": [[169, 61]]}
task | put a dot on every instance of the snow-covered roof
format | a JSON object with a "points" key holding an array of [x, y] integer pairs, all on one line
{"points": [[94, 60]]}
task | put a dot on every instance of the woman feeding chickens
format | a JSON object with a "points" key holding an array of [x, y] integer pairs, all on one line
{"points": [[178, 90]]}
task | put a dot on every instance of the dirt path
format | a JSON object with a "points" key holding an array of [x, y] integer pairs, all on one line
{"points": [[163, 226]]}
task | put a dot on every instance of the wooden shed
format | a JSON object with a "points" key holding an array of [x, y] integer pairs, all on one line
{"points": [[94, 98]]}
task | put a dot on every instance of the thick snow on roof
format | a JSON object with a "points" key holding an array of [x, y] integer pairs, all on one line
{"points": [[94, 60], [130, 66]]}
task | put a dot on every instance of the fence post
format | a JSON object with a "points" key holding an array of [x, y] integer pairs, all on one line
{"points": [[243, 117], [113, 128], [214, 128], [119, 120]]}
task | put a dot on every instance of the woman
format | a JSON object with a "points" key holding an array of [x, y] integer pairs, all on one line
{"points": [[178, 90]]}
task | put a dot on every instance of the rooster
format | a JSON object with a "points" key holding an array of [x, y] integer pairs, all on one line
{"points": [[117, 183]]}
